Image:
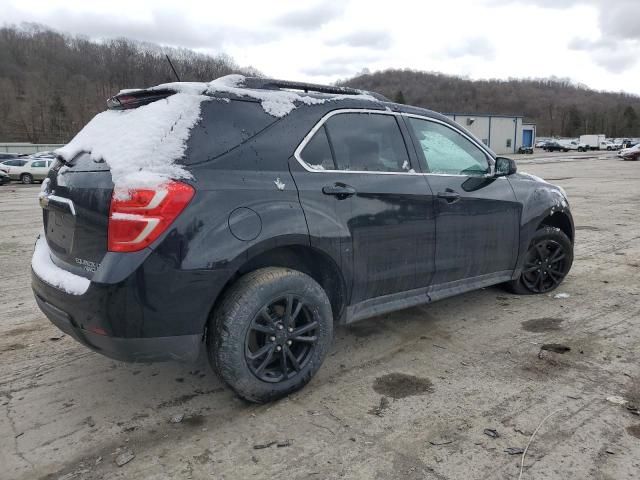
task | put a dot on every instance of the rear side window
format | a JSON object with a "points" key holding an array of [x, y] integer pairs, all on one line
{"points": [[15, 163], [367, 142], [224, 126], [317, 153]]}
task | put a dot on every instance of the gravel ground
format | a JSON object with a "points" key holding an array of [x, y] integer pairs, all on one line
{"points": [[413, 394]]}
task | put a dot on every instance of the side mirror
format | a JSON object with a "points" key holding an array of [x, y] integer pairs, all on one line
{"points": [[505, 166]]}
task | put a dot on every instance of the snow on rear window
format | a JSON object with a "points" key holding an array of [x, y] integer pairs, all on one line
{"points": [[140, 145], [54, 275]]}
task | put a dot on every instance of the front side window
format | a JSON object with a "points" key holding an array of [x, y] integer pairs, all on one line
{"points": [[367, 142], [39, 164], [448, 152]]}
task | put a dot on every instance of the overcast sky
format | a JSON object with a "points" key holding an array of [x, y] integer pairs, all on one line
{"points": [[593, 42]]}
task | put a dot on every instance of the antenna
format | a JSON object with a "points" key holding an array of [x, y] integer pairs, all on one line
{"points": [[172, 67]]}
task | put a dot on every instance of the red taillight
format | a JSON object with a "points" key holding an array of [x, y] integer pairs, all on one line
{"points": [[135, 222]]}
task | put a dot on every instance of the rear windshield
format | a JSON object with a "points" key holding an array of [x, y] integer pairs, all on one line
{"points": [[224, 126]]}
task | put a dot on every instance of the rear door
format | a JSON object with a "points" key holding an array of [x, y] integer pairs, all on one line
{"points": [[361, 195], [477, 216]]}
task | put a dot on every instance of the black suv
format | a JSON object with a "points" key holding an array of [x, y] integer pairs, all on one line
{"points": [[342, 207]]}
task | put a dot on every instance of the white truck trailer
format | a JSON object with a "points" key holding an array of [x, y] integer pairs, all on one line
{"points": [[594, 142]]}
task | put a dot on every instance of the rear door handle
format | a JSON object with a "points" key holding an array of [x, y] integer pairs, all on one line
{"points": [[340, 191], [449, 195]]}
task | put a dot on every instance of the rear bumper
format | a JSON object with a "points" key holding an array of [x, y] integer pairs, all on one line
{"points": [[184, 348], [148, 316]]}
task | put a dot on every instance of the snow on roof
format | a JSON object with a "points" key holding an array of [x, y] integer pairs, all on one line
{"points": [[275, 102], [141, 145]]}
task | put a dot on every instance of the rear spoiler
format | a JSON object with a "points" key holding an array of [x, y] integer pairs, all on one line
{"points": [[136, 98]]}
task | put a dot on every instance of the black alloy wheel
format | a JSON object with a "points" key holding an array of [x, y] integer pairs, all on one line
{"points": [[545, 266], [270, 333], [281, 339], [546, 263]]}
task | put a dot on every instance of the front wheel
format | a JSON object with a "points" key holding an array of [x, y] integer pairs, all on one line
{"points": [[26, 178], [546, 263], [270, 333]]}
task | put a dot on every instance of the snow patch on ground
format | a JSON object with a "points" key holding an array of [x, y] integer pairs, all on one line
{"points": [[140, 145], [48, 271], [561, 295]]}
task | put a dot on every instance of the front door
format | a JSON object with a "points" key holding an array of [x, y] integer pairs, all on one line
{"points": [[359, 190], [477, 216]]}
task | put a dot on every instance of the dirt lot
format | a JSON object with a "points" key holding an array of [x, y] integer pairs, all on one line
{"points": [[406, 395]]}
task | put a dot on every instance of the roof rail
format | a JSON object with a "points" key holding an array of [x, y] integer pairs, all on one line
{"points": [[275, 84]]}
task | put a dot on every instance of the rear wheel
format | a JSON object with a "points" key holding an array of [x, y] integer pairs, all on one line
{"points": [[270, 333], [26, 178], [546, 263]]}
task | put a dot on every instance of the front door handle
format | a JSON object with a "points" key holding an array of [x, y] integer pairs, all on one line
{"points": [[449, 195], [339, 190]]}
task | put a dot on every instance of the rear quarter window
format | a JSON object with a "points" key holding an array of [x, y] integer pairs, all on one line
{"points": [[223, 126]]}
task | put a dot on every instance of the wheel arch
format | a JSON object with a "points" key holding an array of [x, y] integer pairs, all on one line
{"points": [[303, 258], [559, 220]]}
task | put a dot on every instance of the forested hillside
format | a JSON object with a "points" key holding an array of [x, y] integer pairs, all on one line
{"points": [[558, 107], [52, 84]]}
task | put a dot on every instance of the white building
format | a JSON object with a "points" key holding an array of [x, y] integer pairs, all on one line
{"points": [[503, 134]]}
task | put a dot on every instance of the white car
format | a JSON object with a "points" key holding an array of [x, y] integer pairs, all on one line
{"points": [[570, 144], [33, 170]]}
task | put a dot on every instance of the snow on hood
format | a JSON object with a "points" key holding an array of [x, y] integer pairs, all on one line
{"points": [[141, 145]]}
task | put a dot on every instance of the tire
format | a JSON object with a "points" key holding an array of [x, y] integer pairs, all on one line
{"points": [[26, 178], [550, 275], [251, 318]]}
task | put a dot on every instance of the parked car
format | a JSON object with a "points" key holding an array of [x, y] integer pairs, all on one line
{"points": [[310, 210], [524, 149], [554, 147], [13, 162], [632, 153], [541, 143], [571, 144], [47, 155], [616, 143], [9, 156], [31, 171], [4, 178]]}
